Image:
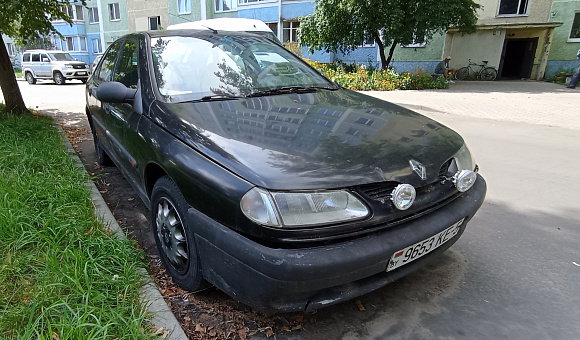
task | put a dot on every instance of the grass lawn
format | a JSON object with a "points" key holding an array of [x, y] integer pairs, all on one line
{"points": [[62, 274]]}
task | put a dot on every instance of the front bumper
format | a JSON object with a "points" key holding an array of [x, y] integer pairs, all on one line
{"points": [[76, 73], [311, 278]]}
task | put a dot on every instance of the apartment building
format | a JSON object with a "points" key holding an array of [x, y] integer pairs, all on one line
{"points": [[521, 38]]}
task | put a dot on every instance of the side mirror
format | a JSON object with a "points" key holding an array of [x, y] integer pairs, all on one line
{"points": [[115, 92], [45, 60]]}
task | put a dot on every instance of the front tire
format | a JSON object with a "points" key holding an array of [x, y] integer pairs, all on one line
{"points": [[30, 78], [100, 155], [488, 73], [174, 236], [462, 73], [58, 78]]}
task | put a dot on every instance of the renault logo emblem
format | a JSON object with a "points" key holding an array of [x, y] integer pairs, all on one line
{"points": [[418, 168]]}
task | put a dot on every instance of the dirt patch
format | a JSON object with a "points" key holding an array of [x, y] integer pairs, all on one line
{"points": [[209, 314]]}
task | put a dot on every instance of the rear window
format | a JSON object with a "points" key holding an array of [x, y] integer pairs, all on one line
{"points": [[26, 57], [36, 57]]}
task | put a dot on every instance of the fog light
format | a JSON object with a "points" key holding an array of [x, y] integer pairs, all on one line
{"points": [[403, 196], [464, 180]]}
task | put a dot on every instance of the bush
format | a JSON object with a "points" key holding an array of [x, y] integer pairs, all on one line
{"points": [[560, 76], [361, 77]]}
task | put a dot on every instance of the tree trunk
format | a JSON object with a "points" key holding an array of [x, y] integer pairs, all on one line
{"points": [[391, 50], [384, 62], [10, 89]]}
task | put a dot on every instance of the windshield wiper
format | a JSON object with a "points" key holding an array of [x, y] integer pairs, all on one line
{"points": [[217, 97], [291, 89]]}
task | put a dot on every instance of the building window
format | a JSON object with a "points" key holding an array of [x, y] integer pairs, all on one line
{"points": [[70, 43], [97, 48], [79, 12], [93, 15], [83, 43], [114, 13], [225, 5], [289, 30], [184, 6], [250, 1], [10, 48], [575, 32], [155, 23], [274, 27], [513, 7]]}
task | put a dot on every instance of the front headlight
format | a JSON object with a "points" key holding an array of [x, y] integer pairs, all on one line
{"points": [[465, 176], [68, 66], [464, 159], [294, 209]]}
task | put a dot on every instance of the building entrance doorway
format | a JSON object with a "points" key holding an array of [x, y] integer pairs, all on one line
{"points": [[517, 58]]}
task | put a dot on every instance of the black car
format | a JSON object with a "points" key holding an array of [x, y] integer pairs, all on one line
{"points": [[269, 181]]}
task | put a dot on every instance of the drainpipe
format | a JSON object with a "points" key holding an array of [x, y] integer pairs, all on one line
{"points": [[280, 20], [101, 29], [203, 6]]}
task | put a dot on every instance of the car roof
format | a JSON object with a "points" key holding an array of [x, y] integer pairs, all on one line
{"points": [[195, 33], [225, 24], [46, 51]]}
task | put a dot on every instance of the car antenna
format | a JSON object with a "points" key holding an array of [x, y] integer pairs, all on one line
{"points": [[211, 29]]}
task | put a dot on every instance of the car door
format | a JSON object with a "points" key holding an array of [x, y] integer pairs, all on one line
{"points": [[35, 64], [45, 68], [124, 117], [101, 120]]}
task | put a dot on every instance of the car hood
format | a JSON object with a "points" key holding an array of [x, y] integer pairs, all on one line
{"points": [[321, 140]]}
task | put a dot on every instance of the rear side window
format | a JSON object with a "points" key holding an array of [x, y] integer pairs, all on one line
{"points": [[36, 57], [44, 56], [26, 57]]}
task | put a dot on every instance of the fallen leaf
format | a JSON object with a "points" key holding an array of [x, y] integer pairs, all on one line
{"points": [[130, 199], [159, 331], [286, 329], [90, 230], [199, 328], [360, 306], [55, 336]]}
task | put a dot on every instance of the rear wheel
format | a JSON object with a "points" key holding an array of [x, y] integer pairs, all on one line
{"points": [[174, 236], [30, 78], [488, 73], [462, 73], [58, 78]]}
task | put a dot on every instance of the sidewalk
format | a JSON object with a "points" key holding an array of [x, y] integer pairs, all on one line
{"points": [[532, 102]]}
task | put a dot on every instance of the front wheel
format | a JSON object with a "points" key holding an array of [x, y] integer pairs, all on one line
{"points": [[30, 78], [174, 235], [488, 73], [462, 73], [101, 156], [58, 78]]}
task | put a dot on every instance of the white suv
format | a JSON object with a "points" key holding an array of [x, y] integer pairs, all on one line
{"points": [[56, 65]]}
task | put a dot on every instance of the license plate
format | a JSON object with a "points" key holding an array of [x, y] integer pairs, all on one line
{"points": [[81, 73], [415, 251]]}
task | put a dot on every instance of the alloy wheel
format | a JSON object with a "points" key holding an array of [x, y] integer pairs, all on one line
{"points": [[171, 234]]}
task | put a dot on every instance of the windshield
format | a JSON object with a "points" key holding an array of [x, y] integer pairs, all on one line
{"points": [[191, 68], [61, 57]]}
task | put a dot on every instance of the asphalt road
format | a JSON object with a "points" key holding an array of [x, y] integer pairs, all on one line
{"points": [[515, 273]]}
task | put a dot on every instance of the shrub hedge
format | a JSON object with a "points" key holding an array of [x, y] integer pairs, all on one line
{"points": [[363, 78]]}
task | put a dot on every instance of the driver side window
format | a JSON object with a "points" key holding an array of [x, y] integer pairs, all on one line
{"points": [[108, 65], [127, 70]]}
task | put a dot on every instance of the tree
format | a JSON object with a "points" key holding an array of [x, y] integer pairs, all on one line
{"points": [[344, 24], [25, 21]]}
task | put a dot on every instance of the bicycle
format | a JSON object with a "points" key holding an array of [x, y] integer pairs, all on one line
{"points": [[485, 73]]}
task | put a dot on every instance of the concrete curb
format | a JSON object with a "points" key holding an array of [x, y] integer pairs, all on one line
{"points": [[162, 315]]}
